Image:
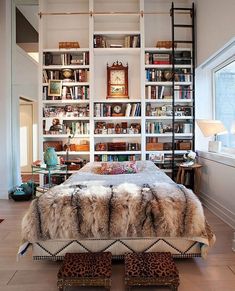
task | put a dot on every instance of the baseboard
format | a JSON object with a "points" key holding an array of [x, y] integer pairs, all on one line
{"points": [[218, 209]]}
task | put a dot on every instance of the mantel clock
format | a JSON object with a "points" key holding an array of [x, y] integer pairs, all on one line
{"points": [[117, 80]]}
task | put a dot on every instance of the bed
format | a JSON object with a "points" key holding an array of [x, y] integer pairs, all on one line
{"points": [[139, 209]]}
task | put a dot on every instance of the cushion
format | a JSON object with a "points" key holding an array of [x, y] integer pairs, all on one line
{"points": [[77, 265], [155, 265], [116, 168]]}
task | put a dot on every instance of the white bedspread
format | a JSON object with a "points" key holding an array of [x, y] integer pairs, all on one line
{"points": [[148, 174]]}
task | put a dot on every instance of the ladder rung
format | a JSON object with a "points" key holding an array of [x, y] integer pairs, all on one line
{"points": [[182, 25], [183, 41], [183, 9]]}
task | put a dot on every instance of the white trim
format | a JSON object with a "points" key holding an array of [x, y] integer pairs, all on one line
{"points": [[218, 209], [229, 45], [222, 158]]}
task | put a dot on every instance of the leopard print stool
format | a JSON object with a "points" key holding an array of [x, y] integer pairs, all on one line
{"points": [[150, 269], [85, 269]]}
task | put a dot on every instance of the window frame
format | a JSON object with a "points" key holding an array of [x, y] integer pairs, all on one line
{"points": [[221, 65]]}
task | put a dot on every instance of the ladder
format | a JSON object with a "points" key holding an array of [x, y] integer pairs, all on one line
{"points": [[176, 28]]}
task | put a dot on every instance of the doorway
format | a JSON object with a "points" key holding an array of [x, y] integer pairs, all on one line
{"points": [[26, 137]]}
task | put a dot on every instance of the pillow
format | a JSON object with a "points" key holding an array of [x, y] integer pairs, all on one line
{"points": [[117, 168]]}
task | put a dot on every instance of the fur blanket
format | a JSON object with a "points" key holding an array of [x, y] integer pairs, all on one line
{"points": [[126, 210]]}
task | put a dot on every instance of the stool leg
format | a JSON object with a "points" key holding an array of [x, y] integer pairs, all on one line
{"points": [[197, 180], [178, 176], [182, 176]]}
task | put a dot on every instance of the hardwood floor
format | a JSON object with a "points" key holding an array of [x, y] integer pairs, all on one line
{"points": [[216, 273]]}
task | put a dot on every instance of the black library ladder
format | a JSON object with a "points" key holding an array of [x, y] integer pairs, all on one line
{"points": [[189, 27]]}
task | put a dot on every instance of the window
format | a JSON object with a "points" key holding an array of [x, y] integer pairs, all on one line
{"points": [[224, 100]]}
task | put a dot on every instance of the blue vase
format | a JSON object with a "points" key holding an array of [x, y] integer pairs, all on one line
{"points": [[50, 157]]}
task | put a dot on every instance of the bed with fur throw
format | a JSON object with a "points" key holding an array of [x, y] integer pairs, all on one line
{"points": [[72, 217]]}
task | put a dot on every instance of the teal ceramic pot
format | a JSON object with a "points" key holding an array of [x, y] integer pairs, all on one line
{"points": [[50, 157]]}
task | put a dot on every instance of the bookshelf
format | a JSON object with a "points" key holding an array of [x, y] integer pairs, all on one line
{"points": [[156, 119]]}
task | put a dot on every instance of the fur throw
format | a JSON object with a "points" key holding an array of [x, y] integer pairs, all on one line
{"points": [[126, 210]]}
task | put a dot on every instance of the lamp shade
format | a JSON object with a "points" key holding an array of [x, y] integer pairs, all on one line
{"points": [[211, 127], [232, 129]]}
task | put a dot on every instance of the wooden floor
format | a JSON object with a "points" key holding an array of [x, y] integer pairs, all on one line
{"points": [[216, 273]]}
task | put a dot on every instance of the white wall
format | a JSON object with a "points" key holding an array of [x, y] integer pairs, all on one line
{"points": [[215, 44], [215, 26], [218, 184], [23, 72], [24, 84], [5, 98]]}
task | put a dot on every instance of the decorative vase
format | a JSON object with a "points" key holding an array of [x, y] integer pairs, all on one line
{"points": [[50, 157]]}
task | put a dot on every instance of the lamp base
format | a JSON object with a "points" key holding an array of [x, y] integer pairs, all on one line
{"points": [[215, 146]]}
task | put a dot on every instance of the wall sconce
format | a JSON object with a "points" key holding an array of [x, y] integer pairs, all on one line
{"points": [[212, 128]]}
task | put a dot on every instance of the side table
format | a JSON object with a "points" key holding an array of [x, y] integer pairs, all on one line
{"points": [[195, 169], [49, 171]]}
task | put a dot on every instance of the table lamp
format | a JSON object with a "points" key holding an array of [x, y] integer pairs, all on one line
{"points": [[212, 128]]}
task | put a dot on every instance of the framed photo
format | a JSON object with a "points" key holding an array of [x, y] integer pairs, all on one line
{"points": [[55, 88], [157, 157]]}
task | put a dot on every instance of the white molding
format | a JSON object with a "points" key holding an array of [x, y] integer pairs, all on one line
{"points": [[221, 158], [218, 209], [220, 53]]}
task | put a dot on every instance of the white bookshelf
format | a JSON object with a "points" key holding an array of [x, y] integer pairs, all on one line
{"points": [[111, 20]]}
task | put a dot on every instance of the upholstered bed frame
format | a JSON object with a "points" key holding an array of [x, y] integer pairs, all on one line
{"points": [[56, 249], [141, 212]]}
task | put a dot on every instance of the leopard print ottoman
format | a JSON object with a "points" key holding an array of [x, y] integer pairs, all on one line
{"points": [[85, 269], [151, 269]]}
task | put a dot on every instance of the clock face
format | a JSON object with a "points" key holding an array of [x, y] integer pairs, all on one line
{"points": [[117, 77], [117, 108]]}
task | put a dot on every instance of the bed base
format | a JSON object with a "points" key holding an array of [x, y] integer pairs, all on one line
{"points": [[56, 249]]}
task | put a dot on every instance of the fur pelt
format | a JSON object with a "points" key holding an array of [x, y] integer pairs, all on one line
{"points": [[126, 210]]}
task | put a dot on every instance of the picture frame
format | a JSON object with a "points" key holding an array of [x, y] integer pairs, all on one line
{"points": [[55, 88], [157, 157]]}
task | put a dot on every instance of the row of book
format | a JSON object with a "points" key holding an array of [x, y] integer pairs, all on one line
{"points": [[133, 109], [65, 59], [78, 75], [154, 92], [116, 158], [182, 92], [132, 41], [180, 58], [76, 92], [157, 59], [157, 75], [72, 93], [166, 92], [129, 41], [108, 110], [160, 127]]}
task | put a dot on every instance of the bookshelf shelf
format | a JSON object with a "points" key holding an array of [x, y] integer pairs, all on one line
{"points": [[118, 118], [65, 136], [117, 51], [168, 117], [117, 152], [117, 135], [67, 101]]}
